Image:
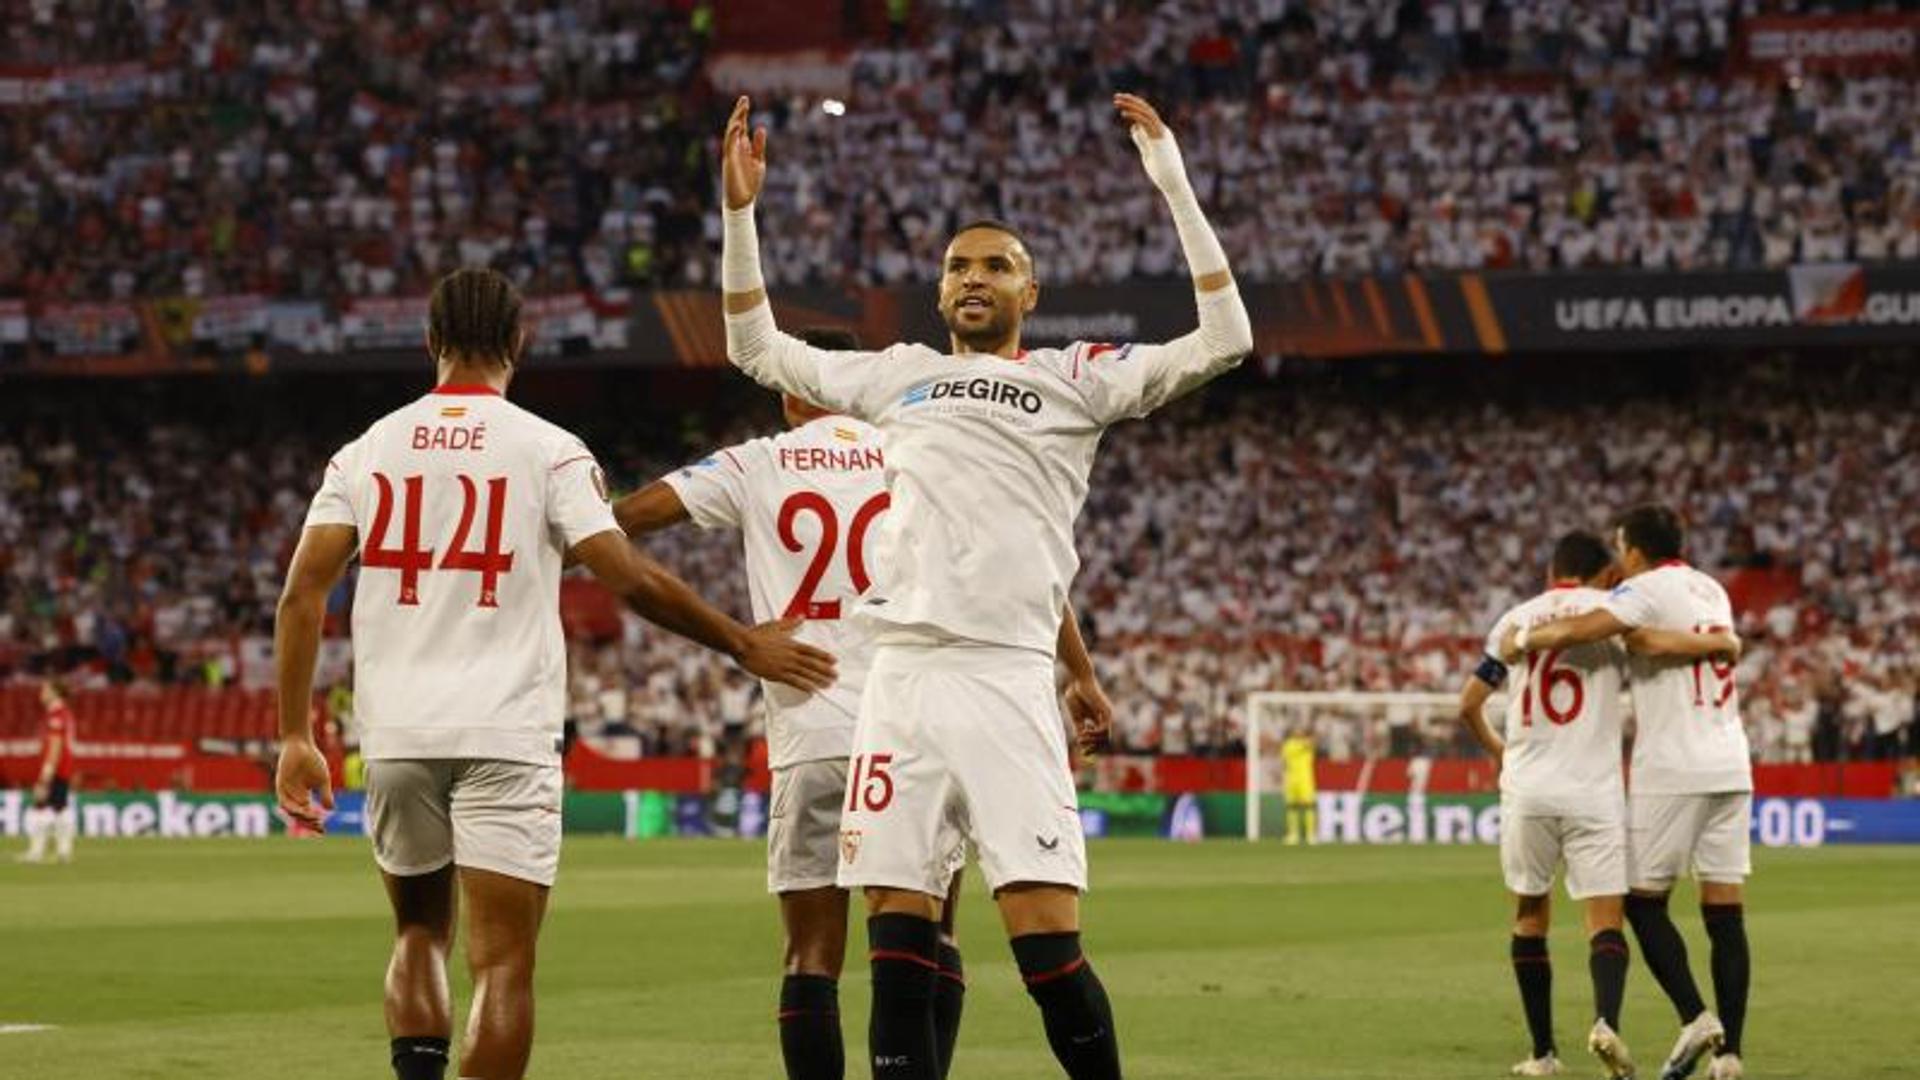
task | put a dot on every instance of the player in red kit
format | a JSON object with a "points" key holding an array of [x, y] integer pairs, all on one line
{"points": [[52, 812]]}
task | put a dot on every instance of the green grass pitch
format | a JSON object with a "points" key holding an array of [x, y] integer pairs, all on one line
{"points": [[222, 960]]}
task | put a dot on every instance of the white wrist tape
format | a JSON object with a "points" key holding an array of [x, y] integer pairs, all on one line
{"points": [[739, 251]]}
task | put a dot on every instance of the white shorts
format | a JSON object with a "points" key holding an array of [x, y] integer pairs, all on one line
{"points": [[967, 737], [1593, 848], [1705, 834], [502, 816], [803, 825]]}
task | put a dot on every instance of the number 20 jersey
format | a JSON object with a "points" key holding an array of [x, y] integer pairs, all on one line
{"points": [[1690, 740], [1565, 714], [465, 506], [807, 503]]}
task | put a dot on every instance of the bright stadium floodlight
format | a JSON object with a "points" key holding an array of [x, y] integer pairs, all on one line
{"points": [[1270, 712]]}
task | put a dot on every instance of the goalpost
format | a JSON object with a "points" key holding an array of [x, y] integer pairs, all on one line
{"points": [[1271, 713]]}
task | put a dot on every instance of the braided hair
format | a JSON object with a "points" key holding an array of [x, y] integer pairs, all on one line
{"points": [[475, 314]]}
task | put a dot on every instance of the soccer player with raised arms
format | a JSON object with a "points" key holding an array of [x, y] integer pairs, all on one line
{"points": [[463, 509], [806, 503], [988, 453], [1692, 797]]}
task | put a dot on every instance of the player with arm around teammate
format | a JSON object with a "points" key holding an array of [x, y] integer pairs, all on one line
{"points": [[989, 447], [806, 502], [461, 508], [1562, 794], [1691, 803]]}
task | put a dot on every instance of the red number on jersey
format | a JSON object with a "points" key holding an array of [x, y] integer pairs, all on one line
{"points": [[1722, 671], [803, 605], [411, 559], [490, 562], [877, 791], [1551, 678]]}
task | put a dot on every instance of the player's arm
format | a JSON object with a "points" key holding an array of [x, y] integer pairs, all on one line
{"points": [[651, 509], [1488, 677], [1685, 644], [768, 650], [1596, 625], [1225, 334], [1087, 704], [755, 345], [318, 562]]}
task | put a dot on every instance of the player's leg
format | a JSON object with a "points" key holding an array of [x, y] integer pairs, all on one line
{"points": [[1529, 857], [506, 842], [1008, 752], [1596, 855], [897, 800], [503, 929], [950, 984], [1042, 920], [39, 825], [418, 1007], [1723, 862], [412, 833], [803, 854], [1310, 812], [816, 932], [65, 822], [1663, 830]]}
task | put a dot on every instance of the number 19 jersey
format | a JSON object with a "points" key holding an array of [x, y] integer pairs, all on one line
{"points": [[465, 506], [1690, 740], [1565, 713], [806, 502]]}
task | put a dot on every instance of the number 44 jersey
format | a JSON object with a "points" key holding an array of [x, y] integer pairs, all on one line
{"points": [[1565, 713], [465, 507], [806, 503]]}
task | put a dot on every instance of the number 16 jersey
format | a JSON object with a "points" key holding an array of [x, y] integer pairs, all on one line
{"points": [[806, 503], [1566, 710], [465, 506]]}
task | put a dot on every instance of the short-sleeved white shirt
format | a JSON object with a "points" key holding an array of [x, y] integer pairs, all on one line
{"points": [[807, 503], [1689, 740], [465, 506], [1566, 710]]}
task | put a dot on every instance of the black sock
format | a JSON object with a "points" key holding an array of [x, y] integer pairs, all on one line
{"points": [[1665, 953], [1607, 962], [949, 997], [810, 1028], [904, 955], [1073, 1004], [1732, 967], [419, 1057], [1534, 972]]}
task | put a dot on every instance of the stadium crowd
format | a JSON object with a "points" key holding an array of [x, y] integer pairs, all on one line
{"points": [[1288, 534], [336, 149]]}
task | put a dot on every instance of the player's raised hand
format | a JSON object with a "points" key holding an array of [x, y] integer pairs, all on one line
{"points": [[772, 653], [303, 773], [1091, 713], [743, 157], [1158, 152]]}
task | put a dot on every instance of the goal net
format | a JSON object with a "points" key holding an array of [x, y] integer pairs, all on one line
{"points": [[1345, 726]]}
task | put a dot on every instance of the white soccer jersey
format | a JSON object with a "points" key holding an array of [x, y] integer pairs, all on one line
{"points": [[807, 503], [987, 463], [1690, 739], [465, 504], [1565, 714]]}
